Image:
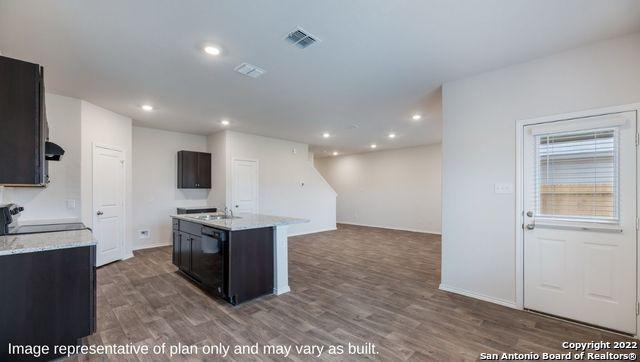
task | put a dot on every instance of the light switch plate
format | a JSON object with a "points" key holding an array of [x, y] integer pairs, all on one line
{"points": [[71, 204], [503, 188]]}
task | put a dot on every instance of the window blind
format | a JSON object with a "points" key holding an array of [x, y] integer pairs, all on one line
{"points": [[577, 175]]}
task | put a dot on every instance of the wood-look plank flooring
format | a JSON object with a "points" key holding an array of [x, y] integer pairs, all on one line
{"points": [[355, 284]]}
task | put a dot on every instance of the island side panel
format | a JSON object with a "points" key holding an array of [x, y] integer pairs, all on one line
{"points": [[281, 260]]}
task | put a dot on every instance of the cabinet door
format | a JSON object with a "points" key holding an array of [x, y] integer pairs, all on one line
{"points": [[197, 269], [185, 252], [187, 170], [176, 248], [21, 139], [204, 171]]}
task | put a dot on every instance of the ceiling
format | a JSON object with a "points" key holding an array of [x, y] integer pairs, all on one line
{"points": [[378, 61]]}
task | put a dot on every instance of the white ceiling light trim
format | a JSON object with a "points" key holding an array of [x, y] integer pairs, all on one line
{"points": [[212, 50]]}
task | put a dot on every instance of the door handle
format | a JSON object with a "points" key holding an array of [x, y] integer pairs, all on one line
{"points": [[99, 213], [236, 205]]}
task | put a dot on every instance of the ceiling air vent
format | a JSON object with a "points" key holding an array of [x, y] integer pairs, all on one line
{"points": [[249, 70], [301, 38]]}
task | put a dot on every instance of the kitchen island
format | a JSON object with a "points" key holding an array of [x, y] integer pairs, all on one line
{"points": [[237, 258]]}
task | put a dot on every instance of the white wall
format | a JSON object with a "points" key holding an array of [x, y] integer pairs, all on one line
{"points": [[217, 146], [478, 247], [280, 174], [396, 189], [155, 190], [101, 126], [50, 203]]}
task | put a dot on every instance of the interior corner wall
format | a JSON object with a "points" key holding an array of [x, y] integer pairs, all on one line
{"points": [[396, 189], [100, 126], [155, 183], [480, 114], [217, 146], [289, 184], [60, 200]]}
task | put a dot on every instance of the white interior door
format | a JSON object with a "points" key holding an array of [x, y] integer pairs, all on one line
{"points": [[108, 204], [245, 186], [580, 220]]}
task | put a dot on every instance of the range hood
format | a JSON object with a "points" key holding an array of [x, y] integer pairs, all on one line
{"points": [[52, 152]]}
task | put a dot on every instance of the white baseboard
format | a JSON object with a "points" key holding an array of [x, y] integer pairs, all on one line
{"points": [[313, 231], [466, 293], [281, 290], [127, 256], [149, 246], [391, 228]]}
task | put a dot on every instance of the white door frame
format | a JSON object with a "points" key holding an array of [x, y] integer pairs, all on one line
{"points": [[233, 195], [95, 145], [519, 186]]}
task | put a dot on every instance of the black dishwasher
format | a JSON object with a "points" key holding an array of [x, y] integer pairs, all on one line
{"points": [[208, 258]]}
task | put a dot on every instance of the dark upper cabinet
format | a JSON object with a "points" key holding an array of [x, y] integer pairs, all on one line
{"points": [[194, 170], [23, 124]]}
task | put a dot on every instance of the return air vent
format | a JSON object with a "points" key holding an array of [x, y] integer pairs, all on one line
{"points": [[249, 70], [301, 38]]}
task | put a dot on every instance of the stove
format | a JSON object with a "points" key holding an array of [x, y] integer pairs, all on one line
{"points": [[46, 228], [9, 223]]}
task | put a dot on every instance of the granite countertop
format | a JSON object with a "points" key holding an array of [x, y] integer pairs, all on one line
{"points": [[27, 243], [242, 221]]}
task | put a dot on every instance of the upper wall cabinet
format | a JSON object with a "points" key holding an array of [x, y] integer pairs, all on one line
{"points": [[23, 124], [194, 170]]}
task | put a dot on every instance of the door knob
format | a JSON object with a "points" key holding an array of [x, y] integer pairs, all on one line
{"points": [[531, 226], [236, 205], [99, 213]]}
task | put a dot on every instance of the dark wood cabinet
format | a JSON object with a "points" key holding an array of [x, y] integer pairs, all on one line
{"points": [[194, 170], [23, 124], [236, 265], [48, 298]]}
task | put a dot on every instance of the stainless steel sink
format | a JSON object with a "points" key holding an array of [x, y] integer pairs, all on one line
{"points": [[213, 217]]}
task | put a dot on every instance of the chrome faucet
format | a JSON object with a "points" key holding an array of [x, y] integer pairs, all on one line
{"points": [[228, 211]]}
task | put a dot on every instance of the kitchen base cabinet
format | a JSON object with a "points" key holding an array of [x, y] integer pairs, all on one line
{"points": [[48, 298], [235, 265]]}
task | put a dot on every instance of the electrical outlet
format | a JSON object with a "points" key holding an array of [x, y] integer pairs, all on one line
{"points": [[143, 234], [503, 188]]}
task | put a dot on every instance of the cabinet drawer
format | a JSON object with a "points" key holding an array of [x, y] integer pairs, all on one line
{"points": [[176, 224], [190, 227]]}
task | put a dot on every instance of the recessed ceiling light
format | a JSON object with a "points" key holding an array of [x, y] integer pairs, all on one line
{"points": [[147, 107], [392, 135], [335, 153], [212, 50], [326, 135], [373, 145], [416, 117], [224, 122]]}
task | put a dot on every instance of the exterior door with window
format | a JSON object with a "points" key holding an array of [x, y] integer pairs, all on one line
{"points": [[580, 220]]}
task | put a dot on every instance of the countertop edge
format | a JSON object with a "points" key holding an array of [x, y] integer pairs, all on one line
{"points": [[257, 224], [46, 248]]}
